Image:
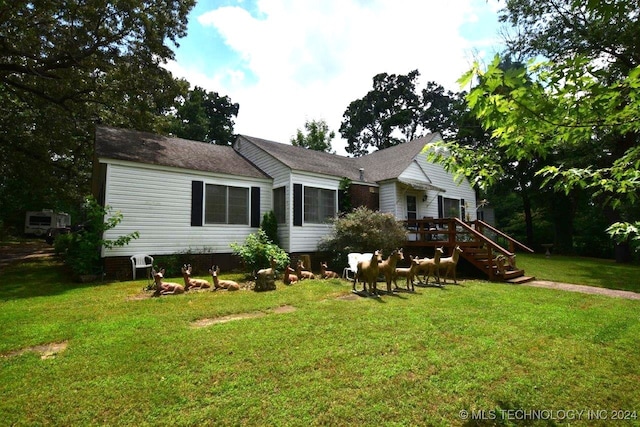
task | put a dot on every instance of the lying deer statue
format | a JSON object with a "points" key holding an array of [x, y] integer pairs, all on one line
{"points": [[190, 283], [449, 264], [406, 272], [429, 266], [388, 267], [229, 285], [368, 272], [327, 274], [288, 277], [165, 288], [303, 274]]}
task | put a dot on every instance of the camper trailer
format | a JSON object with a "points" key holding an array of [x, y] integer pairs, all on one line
{"points": [[37, 223]]}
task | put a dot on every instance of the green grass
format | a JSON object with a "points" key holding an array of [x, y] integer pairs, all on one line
{"points": [[581, 271], [409, 359]]}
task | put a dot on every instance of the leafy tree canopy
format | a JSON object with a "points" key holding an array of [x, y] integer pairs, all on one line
{"points": [[318, 136], [65, 66], [205, 116]]}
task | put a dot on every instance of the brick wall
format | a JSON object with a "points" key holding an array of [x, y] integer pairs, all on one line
{"points": [[364, 195]]}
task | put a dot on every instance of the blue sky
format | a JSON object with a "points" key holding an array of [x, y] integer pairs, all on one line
{"points": [[288, 61]]}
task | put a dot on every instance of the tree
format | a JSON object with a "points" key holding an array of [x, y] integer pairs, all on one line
{"points": [[318, 136], [395, 112], [391, 106], [205, 116], [65, 66]]}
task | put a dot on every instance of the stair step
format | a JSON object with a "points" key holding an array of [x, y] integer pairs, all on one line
{"points": [[521, 279]]}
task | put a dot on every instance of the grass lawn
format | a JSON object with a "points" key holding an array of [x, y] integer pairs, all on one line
{"points": [[581, 271], [409, 359]]}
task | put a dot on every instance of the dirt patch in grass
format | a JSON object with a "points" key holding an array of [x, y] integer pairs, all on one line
{"points": [[201, 323], [47, 351]]}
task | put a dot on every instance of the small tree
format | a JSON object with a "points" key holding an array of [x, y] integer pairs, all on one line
{"points": [[318, 136], [270, 227], [364, 230], [257, 251], [81, 250]]}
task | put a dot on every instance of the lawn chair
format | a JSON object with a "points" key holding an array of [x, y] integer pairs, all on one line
{"points": [[142, 261]]}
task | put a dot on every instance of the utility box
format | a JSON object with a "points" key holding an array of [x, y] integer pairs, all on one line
{"points": [[39, 222]]}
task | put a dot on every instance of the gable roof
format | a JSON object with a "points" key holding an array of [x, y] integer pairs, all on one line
{"points": [[152, 149], [378, 166]]}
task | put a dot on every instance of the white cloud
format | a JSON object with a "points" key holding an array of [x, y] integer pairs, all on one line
{"points": [[309, 60]]}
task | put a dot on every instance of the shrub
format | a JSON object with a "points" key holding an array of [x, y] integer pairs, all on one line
{"points": [[363, 230], [270, 227], [81, 250], [257, 251]]}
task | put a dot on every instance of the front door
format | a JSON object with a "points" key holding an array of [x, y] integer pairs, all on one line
{"points": [[412, 207]]}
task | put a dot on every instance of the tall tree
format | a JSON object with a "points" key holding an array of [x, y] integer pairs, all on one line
{"points": [[318, 136], [65, 66], [205, 116]]}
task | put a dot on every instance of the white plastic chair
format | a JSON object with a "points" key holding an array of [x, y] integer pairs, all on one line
{"points": [[352, 260], [141, 261]]}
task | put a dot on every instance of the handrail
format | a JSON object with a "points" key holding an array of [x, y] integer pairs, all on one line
{"points": [[505, 236], [483, 238]]}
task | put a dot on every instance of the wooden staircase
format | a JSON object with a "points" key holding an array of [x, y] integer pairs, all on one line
{"points": [[496, 262]]}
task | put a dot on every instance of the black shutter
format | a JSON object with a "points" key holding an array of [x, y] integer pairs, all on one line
{"points": [[463, 210], [297, 204], [197, 199], [255, 207], [440, 207]]}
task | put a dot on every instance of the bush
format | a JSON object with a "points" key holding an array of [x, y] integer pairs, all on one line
{"points": [[270, 227], [81, 250], [257, 251], [363, 230]]}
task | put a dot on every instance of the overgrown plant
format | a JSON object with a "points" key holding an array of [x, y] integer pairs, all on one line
{"points": [[363, 230], [270, 227], [626, 232], [257, 251], [81, 250]]}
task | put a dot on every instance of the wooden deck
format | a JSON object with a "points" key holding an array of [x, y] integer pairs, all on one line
{"points": [[492, 259]]}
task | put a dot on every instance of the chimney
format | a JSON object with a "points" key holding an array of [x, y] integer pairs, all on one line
{"points": [[361, 174]]}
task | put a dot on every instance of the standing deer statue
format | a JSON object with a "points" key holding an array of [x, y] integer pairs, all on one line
{"points": [[189, 282], [407, 272], [388, 267], [229, 285], [367, 271], [165, 288], [327, 274], [449, 264], [429, 266]]}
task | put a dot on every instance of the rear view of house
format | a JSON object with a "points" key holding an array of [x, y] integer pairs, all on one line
{"points": [[184, 195]]}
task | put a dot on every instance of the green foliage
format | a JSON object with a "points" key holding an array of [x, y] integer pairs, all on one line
{"points": [[258, 250], [318, 136], [204, 116], [270, 227], [625, 232], [81, 250], [345, 198], [65, 66], [363, 230]]}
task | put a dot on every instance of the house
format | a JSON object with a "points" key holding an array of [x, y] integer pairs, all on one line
{"points": [[184, 195]]}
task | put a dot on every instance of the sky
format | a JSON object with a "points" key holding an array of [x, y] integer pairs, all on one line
{"points": [[286, 62]]}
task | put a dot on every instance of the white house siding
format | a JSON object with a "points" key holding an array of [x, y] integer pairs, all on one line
{"points": [[156, 202], [388, 198], [306, 237], [443, 179]]}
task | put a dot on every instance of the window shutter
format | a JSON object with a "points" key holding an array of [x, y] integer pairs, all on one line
{"points": [[255, 207], [197, 200], [463, 210], [297, 204], [440, 207]]}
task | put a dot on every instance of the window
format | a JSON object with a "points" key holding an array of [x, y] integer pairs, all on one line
{"points": [[319, 204], [279, 204], [451, 208], [226, 205]]}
